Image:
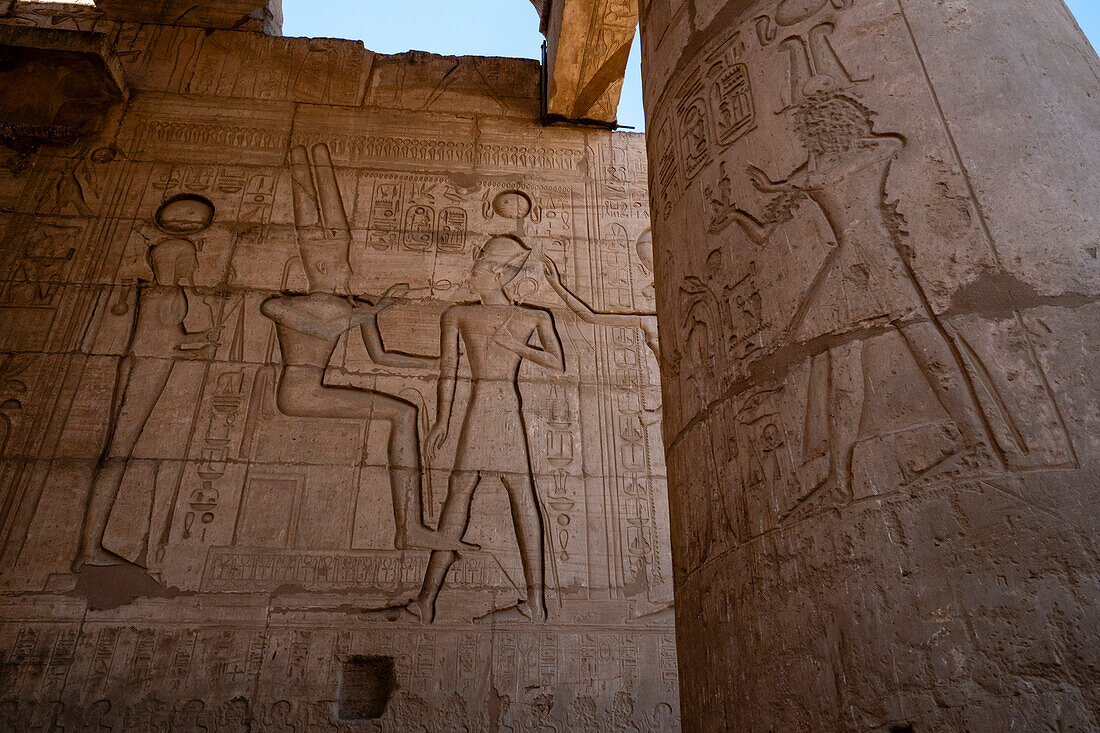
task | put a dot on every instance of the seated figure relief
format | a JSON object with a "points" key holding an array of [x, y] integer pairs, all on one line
{"points": [[310, 326]]}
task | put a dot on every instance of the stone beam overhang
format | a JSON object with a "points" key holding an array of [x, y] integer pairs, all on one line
{"points": [[55, 85], [257, 15], [587, 47]]}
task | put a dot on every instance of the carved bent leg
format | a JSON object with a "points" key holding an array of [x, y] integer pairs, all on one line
{"points": [[452, 524], [105, 485], [816, 455], [406, 480], [302, 394], [831, 429]]}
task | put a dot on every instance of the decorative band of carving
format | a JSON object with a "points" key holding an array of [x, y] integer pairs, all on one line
{"points": [[190, 133]]}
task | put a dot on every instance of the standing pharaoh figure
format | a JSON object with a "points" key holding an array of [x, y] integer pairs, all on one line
{"points": [[157, 341], [309, 328], [866, 281], [496, 334]]}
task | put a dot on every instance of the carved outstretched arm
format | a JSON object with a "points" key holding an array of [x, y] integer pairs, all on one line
{"points": [[764, 184], [448, 373], [372, 339], [756, 231], [296, 319], [584, 311], [367, 317]]}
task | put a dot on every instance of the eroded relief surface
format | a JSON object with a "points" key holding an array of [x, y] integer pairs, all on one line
{"points": [[864, 378], [329, 402]]}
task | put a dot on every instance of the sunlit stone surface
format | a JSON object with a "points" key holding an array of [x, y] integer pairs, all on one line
{"points": [[877, 275], [288, 320]]}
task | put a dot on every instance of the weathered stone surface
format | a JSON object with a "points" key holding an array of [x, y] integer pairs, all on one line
{"points": [[223, 323], [878, 286], [587, 47], [75, 77], [261, 15]]}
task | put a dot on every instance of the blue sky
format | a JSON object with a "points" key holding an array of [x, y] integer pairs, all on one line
{"points": [[485, 28]]}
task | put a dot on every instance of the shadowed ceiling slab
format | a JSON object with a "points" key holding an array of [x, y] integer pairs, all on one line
{"points": [[244, 14]]}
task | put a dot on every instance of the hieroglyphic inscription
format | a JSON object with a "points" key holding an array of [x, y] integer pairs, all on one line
{"points": [[417, 216], [713, 108]]}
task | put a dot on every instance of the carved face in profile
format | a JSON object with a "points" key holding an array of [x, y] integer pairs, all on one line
{"points": [[173, 262], [326, 265], [498, 263]]}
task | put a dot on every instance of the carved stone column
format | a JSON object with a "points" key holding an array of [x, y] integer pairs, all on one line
{"points": [[877, 278]]}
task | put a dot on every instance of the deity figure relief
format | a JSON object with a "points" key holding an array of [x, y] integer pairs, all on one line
{"points": [[645, 321], [496, 335], [865, 281], [309, 328], [158, 340]]}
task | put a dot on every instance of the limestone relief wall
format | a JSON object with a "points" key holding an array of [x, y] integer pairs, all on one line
{"points": [[328, 391], [877, 283]]}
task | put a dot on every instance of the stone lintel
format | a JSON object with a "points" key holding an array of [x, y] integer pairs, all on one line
{"points": [[588, 44], [257, 15]]}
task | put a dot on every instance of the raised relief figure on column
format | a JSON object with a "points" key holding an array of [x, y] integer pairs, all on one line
{"points": [[492, 442], [309, 328], [158, 340], [865, 285]]}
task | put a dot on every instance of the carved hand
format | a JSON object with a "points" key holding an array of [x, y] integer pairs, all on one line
{"points": [[764, 184], [368, 307], [389, 298], [365, 311], [504, 337], [437, 436], [550, 269]]}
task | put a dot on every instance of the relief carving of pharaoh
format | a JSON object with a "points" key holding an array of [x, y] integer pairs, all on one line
{"points": [[496, 335], [310, 326], [866, 284]]}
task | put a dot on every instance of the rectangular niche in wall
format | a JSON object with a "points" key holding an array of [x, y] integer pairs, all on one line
{"points": [[366, 685]]}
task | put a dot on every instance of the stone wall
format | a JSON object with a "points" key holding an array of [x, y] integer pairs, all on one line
{"points": [[214, 401]]}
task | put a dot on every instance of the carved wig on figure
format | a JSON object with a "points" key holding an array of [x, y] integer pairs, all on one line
{"points": [[310, 326], [492, 441]]}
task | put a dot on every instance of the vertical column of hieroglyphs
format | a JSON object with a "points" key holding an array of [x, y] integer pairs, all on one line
{"points": [[330, 394], [876, 276]]}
